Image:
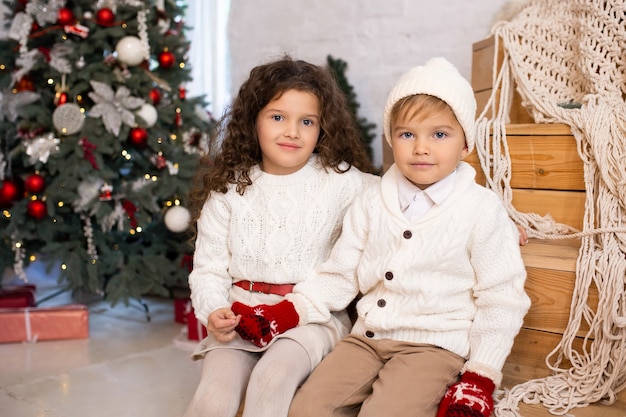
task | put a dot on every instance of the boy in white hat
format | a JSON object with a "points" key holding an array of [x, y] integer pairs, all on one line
{"points": [[436, 261]]}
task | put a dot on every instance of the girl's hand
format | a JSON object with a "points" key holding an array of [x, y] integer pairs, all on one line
{"points": [[221, 323]]}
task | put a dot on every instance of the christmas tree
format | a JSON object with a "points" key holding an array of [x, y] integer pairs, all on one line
{"points": [[339, 67], [98, 144]]}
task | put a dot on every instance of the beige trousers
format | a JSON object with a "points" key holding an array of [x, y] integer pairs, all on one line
{"points": [[374, 378]]}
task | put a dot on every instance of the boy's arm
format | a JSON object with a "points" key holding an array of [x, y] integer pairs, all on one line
{"points": [[500, 298]]}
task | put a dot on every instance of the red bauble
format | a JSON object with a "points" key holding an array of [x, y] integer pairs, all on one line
{"points": [[138, 137], [34, 183], [167, 60], [65, 17], [105, 17], [10, 191], [60, 99], [155, 96], [36, 209]]}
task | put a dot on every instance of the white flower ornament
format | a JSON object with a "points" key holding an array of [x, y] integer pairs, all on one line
{"points": [[113, 108]]}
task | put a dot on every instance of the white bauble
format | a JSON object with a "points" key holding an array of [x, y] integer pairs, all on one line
{"points": [[68, 119], [130, 50], [177, 219], [148, 113]]}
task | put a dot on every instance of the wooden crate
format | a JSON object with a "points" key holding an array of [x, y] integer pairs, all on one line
{"points": [[482, 81], [546, 172]]}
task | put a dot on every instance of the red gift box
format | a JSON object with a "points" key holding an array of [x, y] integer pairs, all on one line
{"points": [[44, 323], [17, 296], [195, 329], [181, 307]]}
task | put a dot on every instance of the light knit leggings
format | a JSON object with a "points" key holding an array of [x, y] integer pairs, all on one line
{"points": [[268, 380]]}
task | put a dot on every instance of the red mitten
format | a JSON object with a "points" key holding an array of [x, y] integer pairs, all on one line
{"points": [[470, 397], [260, 324]]}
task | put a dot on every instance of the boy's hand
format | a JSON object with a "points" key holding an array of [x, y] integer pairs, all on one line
{"points": [[523, 236], [470, 397], [260, 324]]}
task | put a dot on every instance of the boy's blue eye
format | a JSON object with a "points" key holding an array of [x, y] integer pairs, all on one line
{"points": [[440, 135], [406, 135]]}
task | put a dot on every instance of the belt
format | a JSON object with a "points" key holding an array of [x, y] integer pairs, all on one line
{"points": [[265, 288]]}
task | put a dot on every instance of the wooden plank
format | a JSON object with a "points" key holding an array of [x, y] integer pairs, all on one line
{"points": [[551, 293], [530, 350], [473, 160], [482, 64], [517, 113], [482, 81], [558, 254], [567, 207], [542, 157], [618, 409], [533, 129], [548, 162]]}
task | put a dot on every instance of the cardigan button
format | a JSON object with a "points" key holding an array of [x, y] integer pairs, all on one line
{"points": [[369, 334], [407, 234], [388, 275], [381, 303]]}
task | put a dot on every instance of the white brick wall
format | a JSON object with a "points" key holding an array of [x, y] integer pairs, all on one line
{"points": [[379, 39]]}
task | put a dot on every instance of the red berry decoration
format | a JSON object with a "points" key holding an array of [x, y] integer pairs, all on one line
{"points": [[105, 17], [138, 137], [65, 17], [34, 184], [167, 59], [36, 209], [182, 93], [155, 96], [10, 191]]}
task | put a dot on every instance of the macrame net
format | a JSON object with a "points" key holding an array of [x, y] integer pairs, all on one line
{"points": [[568, 61]]}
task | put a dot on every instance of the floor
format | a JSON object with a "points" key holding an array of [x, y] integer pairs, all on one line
{"points": [[128, 366]]}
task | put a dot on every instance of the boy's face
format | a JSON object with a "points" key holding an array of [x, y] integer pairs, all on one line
{"points": [[427, 149]]}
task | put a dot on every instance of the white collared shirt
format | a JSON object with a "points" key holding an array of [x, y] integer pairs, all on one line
{"points": [[415, 202]]}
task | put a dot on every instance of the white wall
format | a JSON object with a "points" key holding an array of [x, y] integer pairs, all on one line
{"points": [[379, 39]]}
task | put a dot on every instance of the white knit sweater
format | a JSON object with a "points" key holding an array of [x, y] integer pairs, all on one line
{"points": [[453, 278], [277, 232]]}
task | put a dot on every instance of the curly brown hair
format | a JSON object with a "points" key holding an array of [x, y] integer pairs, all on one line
{"points": [[235, 146]]}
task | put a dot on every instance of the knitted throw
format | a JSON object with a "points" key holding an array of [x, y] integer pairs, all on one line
{"points": [[568, 61]]}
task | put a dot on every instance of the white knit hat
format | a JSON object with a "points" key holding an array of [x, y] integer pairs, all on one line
{"points": [[441, 79]]}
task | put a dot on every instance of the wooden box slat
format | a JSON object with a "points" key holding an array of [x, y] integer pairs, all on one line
{"points": [[482, 64], [567, 207], [482, 81]]}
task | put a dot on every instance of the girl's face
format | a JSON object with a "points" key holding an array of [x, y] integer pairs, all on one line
{"points": [[288, 128], [427, 149]]}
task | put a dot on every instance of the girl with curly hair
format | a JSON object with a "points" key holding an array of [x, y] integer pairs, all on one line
{"points": [[267, 206]]}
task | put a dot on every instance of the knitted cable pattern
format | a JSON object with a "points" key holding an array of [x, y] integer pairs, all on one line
{"points": [[568, 60]]}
